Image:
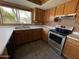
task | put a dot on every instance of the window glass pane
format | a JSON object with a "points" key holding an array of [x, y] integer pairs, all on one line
{"points": [[14, 16], [8, 14], [25, 17]]}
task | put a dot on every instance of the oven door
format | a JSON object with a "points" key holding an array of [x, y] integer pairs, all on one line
{"points": [[56, 41]]}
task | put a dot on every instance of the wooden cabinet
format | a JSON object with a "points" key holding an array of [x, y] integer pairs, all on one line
{"points": [[38, 15], [46, 16], [36, 34], [60, 9], [52, 14], [77, 19], [45, 34], [66, 8], [5, 54], [71, 49], [25, 36], [52, 11], [49, 16], [77, 12], [19, 36], [70, 7]]}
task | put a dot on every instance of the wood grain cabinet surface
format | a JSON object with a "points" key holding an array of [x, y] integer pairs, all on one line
{"points": [[5, 54], [52, 11], [19, 36], [70, 7], [36, 34], [60, 9], [77, 12], [25, 36], [71, 49], [48, 15], [38, 15], [45, 34]]}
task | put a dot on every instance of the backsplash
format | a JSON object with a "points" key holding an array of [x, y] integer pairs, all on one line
{"points": [[69, 21]]}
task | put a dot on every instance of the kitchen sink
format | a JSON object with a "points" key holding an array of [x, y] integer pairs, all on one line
{"points": [[22, 27], [26, 27]]}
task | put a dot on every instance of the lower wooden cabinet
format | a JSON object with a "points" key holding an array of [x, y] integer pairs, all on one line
{"points": [[36, 34], [19, 36], [5, 54], [24, 36], [71, 49], [45, 34]]}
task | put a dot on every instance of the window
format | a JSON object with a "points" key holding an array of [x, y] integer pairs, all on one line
{"points": [[14, 16], [25, 17]]}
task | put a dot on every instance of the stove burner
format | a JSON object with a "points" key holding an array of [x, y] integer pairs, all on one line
{"points": [[60, 31]]}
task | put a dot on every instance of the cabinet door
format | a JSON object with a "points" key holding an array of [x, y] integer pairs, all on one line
{"points": [[48, 16], [77, 12], [27, 36], [70, 6], [36, 34], [45, 16], [41, 16], [38, 15], [77, 19], [45, 34], [71, 49], [19, 37], [5, 53], [52, 11], [52, 14], [60, 9]]}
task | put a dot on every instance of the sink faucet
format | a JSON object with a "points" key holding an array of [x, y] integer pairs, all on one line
{"points": [[25, 26]]}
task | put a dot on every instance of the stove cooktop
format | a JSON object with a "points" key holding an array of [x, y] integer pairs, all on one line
{"points": [[61, 31]]}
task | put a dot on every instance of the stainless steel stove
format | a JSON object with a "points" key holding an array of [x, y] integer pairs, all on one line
{"points": [[57, 37]]}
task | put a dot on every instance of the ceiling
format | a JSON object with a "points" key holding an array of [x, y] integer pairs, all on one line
{"points": [[46, 5], [39, 2]]}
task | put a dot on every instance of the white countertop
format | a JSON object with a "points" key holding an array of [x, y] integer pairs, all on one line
{"points": [[5, 33], [27, 27], [74, 36]]}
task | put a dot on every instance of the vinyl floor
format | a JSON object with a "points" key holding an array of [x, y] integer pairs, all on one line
{"points": [[36, 50]]}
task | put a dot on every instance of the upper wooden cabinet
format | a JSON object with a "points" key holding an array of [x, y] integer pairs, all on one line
{"points": [[52, 11], [77, 12], [71, 49], [70, 7], [38, 15], [48, 15], [60, 9]]}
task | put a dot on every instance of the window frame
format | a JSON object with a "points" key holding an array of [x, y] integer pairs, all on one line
{"points": [[17, 19]]}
